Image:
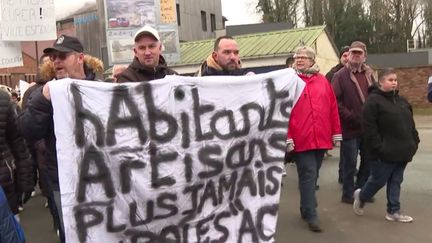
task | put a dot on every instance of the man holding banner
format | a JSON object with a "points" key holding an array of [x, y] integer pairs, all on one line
{"points": [[148, 63], [36, 121]]}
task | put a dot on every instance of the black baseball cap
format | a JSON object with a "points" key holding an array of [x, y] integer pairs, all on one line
{"points": [[65, 43]]}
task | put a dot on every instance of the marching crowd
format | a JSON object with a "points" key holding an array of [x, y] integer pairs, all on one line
{"points": [[348, 106]]}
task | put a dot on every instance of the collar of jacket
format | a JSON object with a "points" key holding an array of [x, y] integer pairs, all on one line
{"points": [[137, 65], [362, 68], [209, 71], [368, 72], [374, 89], [310, 71]]}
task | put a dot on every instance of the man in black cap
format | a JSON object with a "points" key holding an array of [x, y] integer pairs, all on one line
{"points": [[68, 57], [36, 121], [148, 63]]}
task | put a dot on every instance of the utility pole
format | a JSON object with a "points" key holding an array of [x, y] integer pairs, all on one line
{"points": [[103, 40]]}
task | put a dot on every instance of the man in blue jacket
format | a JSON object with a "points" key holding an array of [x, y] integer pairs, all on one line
{"points": [[10, 230]]}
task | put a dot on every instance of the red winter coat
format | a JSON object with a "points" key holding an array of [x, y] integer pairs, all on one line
{"points": [[314, 121]]}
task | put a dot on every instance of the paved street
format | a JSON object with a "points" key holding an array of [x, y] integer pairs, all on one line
{"points": [[338, 220], [342, 225]]}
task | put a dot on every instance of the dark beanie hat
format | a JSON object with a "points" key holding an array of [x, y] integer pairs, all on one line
{"points": [[343, 50]]}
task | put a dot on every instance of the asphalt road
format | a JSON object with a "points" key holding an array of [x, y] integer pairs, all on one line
{"points": [[338, 220]]}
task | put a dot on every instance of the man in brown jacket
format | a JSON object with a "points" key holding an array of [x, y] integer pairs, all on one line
{"points": [[148, 63], [351, 85]]}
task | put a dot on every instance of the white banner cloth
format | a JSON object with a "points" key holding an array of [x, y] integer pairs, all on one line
{"points": [[179, 159]]}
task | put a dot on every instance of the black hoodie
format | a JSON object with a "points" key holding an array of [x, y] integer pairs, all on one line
{"points": [[389, 129]]}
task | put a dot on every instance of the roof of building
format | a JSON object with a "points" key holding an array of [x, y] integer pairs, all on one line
{"points": [[275, 43], [247, 29]]}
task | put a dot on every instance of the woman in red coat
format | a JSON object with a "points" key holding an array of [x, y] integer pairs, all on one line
{"points": [[313, 128]]}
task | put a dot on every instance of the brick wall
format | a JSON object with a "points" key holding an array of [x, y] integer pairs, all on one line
{"points": [[11, 76], [413, 85]]}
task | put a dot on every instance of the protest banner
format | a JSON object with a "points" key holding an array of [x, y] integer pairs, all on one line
{"points": [[24, 20], [179, 159]]}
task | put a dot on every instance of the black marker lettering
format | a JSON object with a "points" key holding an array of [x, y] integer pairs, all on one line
{"points": [[122, 97]]}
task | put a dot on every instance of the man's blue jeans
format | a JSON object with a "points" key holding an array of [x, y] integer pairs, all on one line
{"points": [[383, 173], [350, 150], [308, 165]]}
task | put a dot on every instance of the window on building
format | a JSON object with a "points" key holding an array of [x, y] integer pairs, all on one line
{"points": [[213, 22], [204, 20], [178, 14]]}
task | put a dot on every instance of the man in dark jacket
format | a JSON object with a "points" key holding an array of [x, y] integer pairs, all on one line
{"points": [[36, 121], [350, 85], [343, 60], [224, 60], [16, 168], [148, 63]]}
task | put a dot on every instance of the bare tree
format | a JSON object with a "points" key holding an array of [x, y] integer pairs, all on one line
{"points": [[313, 12], [427, 19], [394, 23], [278, 11]]}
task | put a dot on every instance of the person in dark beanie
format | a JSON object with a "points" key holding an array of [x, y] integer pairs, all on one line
{"points": [[343, 60], [391, 140]]}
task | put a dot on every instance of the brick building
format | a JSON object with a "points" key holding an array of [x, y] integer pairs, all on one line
{"points": [[11, 76], [413, 84]]}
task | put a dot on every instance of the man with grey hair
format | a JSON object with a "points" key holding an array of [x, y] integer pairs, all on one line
{"points": [[313, 128], [148, 63], [350, 85]]}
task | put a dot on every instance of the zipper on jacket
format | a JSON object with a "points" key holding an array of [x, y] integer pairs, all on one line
{"points": [[11, 169]]}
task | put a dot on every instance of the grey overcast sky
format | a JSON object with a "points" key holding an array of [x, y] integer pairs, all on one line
{"points": [[240, 12], [236, 11], [65, 7]]}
